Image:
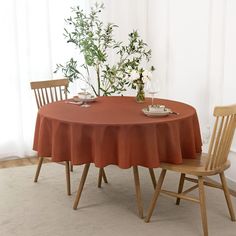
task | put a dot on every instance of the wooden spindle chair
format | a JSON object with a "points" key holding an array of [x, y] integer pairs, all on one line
{"points": [[213, 163], [51, 91]]}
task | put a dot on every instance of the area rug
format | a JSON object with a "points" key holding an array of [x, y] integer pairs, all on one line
{"points": [[43, 208]]}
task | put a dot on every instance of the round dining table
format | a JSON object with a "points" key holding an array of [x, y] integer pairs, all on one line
{"points": [[114, 131]]}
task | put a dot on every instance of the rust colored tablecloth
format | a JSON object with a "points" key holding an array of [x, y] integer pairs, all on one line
{"points": [[113, 130]]}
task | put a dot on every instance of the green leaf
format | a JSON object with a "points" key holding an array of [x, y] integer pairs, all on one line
{"points": [[96, 42]]}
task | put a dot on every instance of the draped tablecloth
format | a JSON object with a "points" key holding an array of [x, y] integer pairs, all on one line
{"points": [[114, 130]]}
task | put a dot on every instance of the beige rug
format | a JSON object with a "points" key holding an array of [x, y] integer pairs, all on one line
{"points": [[43, 208]]}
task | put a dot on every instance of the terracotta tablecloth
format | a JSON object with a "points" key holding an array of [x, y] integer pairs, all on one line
{"points": [[113, 130]]}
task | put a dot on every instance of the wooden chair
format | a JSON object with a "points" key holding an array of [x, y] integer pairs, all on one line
{"points": [[213, 163], [50, 91]]}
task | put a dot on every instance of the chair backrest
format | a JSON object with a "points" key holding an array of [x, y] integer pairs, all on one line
{"points": [[49, 91], [222, 136]]}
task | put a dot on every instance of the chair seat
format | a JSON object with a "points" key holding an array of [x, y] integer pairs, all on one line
{"points": [[195, 166]]}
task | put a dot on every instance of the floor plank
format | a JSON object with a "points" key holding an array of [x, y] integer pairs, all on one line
{"points": [[20, 162]]}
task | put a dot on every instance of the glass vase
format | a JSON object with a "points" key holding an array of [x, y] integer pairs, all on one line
{"points": [[140, 97]]}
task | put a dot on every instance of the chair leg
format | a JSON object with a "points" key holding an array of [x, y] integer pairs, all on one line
{"points": [[202, 205], [71, 167], [67, 167], [181, 185], [154, 182], [155, 195], [81, 185], [138, 191], [40, 162], [227, 196], [100, 178]]}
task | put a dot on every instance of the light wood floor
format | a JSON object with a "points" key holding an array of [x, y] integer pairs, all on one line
{"points": [[20, 162]]}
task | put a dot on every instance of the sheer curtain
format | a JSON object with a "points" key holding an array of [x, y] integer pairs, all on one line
{"points": [[31, 44], [193, 45]]}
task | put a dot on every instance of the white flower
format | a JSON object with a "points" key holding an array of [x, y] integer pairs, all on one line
{"points": [[119, 74], [126, 77], [147, 75], [134, 75]]}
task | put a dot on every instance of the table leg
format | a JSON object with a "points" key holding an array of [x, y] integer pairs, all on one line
{"points": [[40, 162], [67, 167], [154, 182], [104, 176], [101, 176], [138, 191], [81, 185], [181, 185]]}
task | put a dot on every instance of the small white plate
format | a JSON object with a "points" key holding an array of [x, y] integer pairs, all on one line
{"points": [[74, 102], [89, 99], [166, 112]]}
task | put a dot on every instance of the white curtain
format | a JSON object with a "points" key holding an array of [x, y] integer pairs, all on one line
{"points": [[193, 44], [31, 44]]}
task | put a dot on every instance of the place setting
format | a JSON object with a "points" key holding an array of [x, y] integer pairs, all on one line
{"points": [[83, 98], [156, 110]]}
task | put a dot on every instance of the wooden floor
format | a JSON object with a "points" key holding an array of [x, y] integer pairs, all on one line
{"points": [[20, 162]]}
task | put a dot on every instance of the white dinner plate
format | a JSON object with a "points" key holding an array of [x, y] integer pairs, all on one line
{"points": [[166, 112]]}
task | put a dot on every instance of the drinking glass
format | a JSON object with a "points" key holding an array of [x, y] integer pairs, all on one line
{"points": [[85, 91], [153, 88], [206, 135]]}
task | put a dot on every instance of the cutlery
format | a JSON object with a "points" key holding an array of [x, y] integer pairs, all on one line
{"points": [[76, 103], [174, 113]]}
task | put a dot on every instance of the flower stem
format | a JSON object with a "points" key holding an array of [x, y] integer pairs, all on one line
{"points": [[98, 78]]}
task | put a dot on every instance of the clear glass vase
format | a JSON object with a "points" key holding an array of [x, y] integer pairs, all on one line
{"points": [[140, 97]]}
